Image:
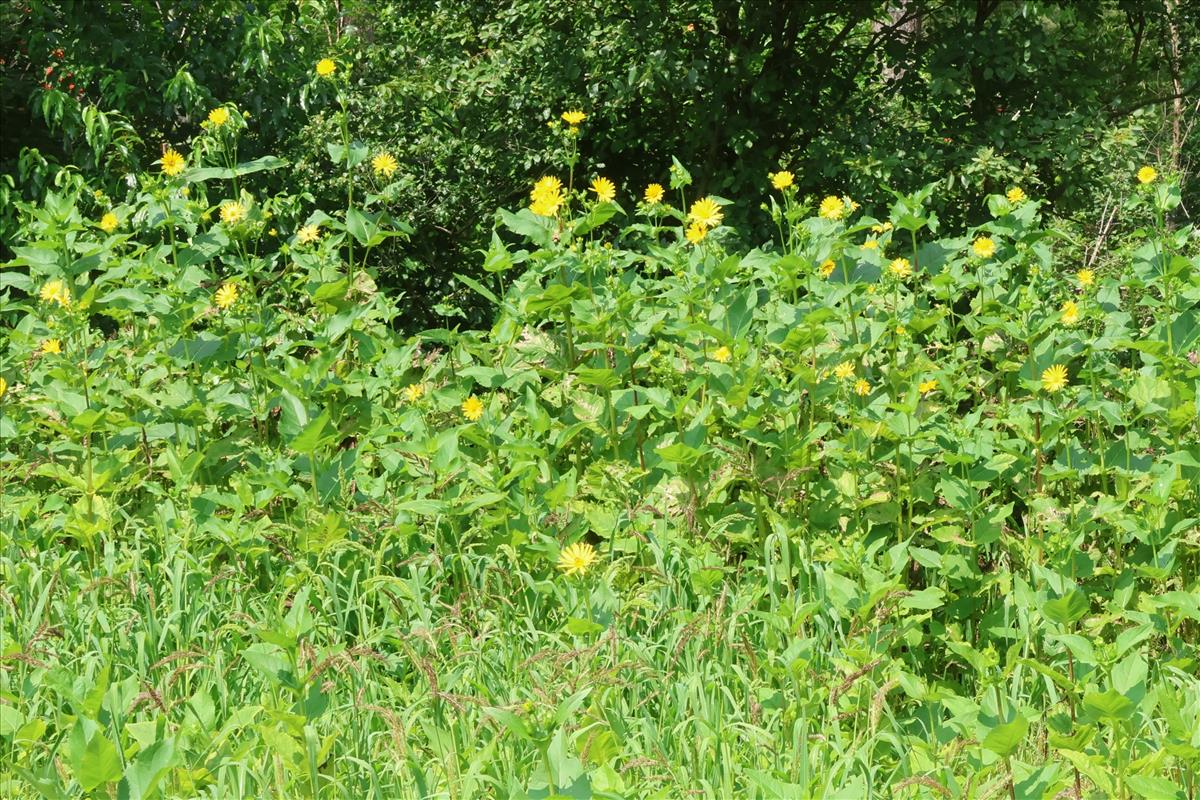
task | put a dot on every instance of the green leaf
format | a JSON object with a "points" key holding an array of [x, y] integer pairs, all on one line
{"points": [[363, 227], [1153, 788], [1067, 609], [1003, 740], [245, 168], [1110, 705], [313, 434], [92, 757], [148, 768]]}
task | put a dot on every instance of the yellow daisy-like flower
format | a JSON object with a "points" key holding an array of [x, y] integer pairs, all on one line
{"points": [[1147, 174], [472, 408], [984, 247], [546, 196], [1085, 277], [832, 208], [326, 67], [218, 117], [696, 233], [870, 244], [900, 267], [172, 163], [55, 291], [226, 296], [51, 346], [308, 234], [546, 206], [862, 388], [1054, 379], [843, 370], [3, 386], [928, 386], [722, 354], [782, 180], [413, 392], [1070, 312], [1015, 195], [109, 222], [573, 117], [827, 267], [576, 559], [384, 164], [654, 193], [606, 190], [232, 213], [706, 212]]}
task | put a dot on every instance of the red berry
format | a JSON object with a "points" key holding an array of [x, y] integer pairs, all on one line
{"points": [[70, 87]]}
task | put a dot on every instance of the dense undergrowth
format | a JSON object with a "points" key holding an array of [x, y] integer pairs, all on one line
{"points": [[859, 512]]}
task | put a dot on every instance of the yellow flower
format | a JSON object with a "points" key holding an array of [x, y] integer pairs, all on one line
{"points": [[577, 558], [218, 117], [1147, 174], [546, 196], [472, 408], [706, 212], [984, 247], [413, 392], [172, 163], [326, 67], [870, 244], [605, 190], [901, 330], [832, 208], [272, 232], [232, 213], [844, 370], [862, 388], [573, 117], [546, 206], [782, 180], [1070, 312], [1015, 195], [55, 291], [109, 222], [654, 193], [308, 234], [927, 386], [1054, 379], [3, 386], [51, 346], [227, 295], [696, 233], [384, 164], [900, 267], [827, 267], [1086, 277], [722, 354]]}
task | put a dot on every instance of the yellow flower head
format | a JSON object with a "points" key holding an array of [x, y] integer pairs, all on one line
{"points": [[984, 247], [232, 212], [696, 232], [172, 163], [51, 346], [576, 559], [472, 408], [308, 234], [722, 354], [326, 67], [900, 267], [606, 190], [844, 370], [832, 208], [870, 244], [546, 196], [927, 386], [55, 291], [827, 267], [1085, 277], [706, 212], [573, 117], [226, 296], [3, 386], [1070, 312], [782, 180], [218, 116], [413, 392], [654, 193], [1054, 379], [384, 164], [1147, 174], [109, 222], [862, 388], [1015, 195]]}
